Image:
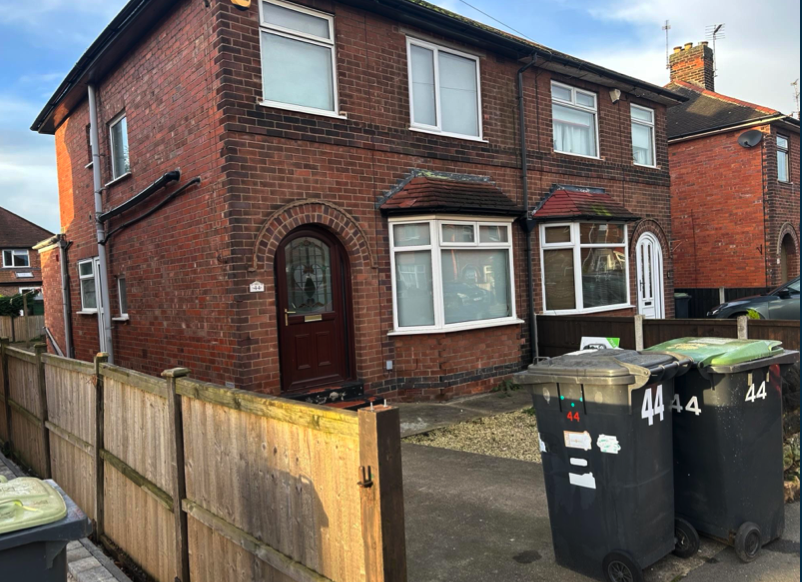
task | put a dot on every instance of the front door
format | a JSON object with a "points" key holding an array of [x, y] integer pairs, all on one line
{"points": [[314, 310], [649, 257]]}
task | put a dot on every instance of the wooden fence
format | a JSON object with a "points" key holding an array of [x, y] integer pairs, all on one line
{"points": [[193, 481], [560, 334], [22, 329]]}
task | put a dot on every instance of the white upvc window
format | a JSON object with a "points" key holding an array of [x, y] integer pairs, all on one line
{"points": [[584, 267], [87, 280], [444, 90], [782, 158], [451, 274], [643, 143], [37, 290], [575, 121], [299, 64], [15, 258], [118, 138], [122, 296]]}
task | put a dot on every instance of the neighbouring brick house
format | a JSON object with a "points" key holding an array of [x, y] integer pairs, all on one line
{"points": [[20, 269], [360, 217], [735, 209]]}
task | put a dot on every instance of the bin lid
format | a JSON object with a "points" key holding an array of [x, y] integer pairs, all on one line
{"points": [[28, 502], [716, 351], [615, 367]]}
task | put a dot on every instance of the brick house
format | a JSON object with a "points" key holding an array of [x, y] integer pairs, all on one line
{"points": [[362, 215], [735, 209], [21, 270]]}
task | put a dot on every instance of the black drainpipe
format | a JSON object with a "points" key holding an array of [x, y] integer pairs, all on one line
{"points": [[530, 293]]}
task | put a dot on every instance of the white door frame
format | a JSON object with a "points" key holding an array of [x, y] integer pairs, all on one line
{"points": [[657, 309]]}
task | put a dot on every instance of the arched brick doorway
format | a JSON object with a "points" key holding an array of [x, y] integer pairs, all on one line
{"points": [[789, 261]]}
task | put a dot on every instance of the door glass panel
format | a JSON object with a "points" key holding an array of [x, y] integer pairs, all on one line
{"points": [[308, 268]]}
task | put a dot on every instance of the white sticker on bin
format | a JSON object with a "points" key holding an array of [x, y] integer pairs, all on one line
{"points": [[542, 444], [585, 480], [608, 444], [578, 440], [578, 462]]}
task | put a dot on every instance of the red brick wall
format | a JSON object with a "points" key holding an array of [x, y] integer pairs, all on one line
{"points": [[188, 267], [728, 210], [10, 283], [54, 306], [782, 203]]}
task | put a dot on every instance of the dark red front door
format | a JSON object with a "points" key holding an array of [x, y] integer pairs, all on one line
{"points": [[314, 310]]}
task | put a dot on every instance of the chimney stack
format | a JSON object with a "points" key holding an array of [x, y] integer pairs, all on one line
{"points": [[693, 64]]}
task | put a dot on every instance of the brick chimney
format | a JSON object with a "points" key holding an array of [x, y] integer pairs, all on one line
{"points": [[693, 64]]}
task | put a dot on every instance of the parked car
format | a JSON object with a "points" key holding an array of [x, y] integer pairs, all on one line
{"points": [[781, 303]]}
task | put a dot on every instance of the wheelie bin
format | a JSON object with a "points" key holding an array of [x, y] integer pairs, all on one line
{"points": [[605, 441], [36, 522], [728, 439]]}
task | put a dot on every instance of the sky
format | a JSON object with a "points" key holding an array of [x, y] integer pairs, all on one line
{"points": [[757, 60]]}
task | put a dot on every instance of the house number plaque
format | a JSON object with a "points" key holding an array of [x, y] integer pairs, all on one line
{"points": [[257, 287]]}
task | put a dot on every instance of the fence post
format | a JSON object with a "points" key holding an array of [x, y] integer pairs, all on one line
{"points": [[176, 428], [100, 468], [39, 349], [722, 295], [743, 322], [382, 494], [6, 388], [639, 332]]}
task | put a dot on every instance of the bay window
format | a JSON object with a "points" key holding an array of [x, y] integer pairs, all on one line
{"points": [[298, 58], [451, 274], [574, 121], [585, 267], [444, 91], [642, 135]]}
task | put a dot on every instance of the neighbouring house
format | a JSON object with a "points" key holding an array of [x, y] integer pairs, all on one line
{"points": [[734, 184], [21, 270], [361, 217]]}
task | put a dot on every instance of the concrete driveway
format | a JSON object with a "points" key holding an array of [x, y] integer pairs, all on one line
{"points": [[474, 518]]}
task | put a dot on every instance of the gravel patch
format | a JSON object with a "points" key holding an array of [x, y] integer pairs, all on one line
{"points": [[509, 436]]}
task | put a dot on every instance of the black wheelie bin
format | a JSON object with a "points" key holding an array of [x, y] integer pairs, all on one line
{"points": [[605, 437], [37, 521], [728, 439]]}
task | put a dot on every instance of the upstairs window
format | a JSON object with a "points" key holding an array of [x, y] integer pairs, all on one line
{"points": [[444, 90], [298, 59], [86, 276], [15, 258], [574, 121], [782, 158], [118, 135], [122, 295], [642, 135]]}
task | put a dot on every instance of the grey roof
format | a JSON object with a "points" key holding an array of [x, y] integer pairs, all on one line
{"points": [[707, 110]]}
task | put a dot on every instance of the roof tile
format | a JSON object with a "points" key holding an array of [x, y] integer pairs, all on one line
{"points": [[16, 232], [441, 194], [571, 204]]}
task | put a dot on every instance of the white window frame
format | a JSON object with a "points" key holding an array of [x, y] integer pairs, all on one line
{"points": [[117, 119], [93, 276], [123, 312], [438, 129], [435, 246], [574, 105], [309, 38], [26, 289], [787, 151], [645, 124], [14, 253], [577, 247]]}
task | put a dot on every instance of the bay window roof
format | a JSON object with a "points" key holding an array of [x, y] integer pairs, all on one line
{"points": [[581, 204]]}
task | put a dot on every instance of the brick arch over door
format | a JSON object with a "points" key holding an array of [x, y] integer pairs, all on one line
{"points": [[652, 226], [311, 212], [788, 233]]}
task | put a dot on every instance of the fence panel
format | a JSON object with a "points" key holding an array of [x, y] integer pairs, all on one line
{"points": [[656, 331], [560, 334], [4, 407], [138, 488], [6, 326], [784, 330], [298, 463], [26, 409]]}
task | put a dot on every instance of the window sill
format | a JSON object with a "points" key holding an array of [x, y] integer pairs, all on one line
{"points": [[119, 179], [451, 135], [577, 155], [458, 327], [86, 312], [591, 310], [645, 166], [301, 109], [122, 318], [89, 165]]}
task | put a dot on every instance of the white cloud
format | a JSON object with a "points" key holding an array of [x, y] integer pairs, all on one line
{"points": [[757, 61]]}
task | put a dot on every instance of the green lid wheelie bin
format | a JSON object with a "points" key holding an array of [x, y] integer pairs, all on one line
{"points": [[37, 521], [605, 441], [728, 439]]}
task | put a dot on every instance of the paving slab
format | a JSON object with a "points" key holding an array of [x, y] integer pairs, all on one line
{"points": [[475, 518]]}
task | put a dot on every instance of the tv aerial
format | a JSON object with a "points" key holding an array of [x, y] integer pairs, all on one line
{"points": [[715, 32]]}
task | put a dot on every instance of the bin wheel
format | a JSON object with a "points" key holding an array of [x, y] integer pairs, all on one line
{"points": [[747, 542], [620, 567], [686, 539]]}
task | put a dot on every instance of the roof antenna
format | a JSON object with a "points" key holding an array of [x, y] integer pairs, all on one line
{"points": [[795, 85], [667, 27], [714, 32]]}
